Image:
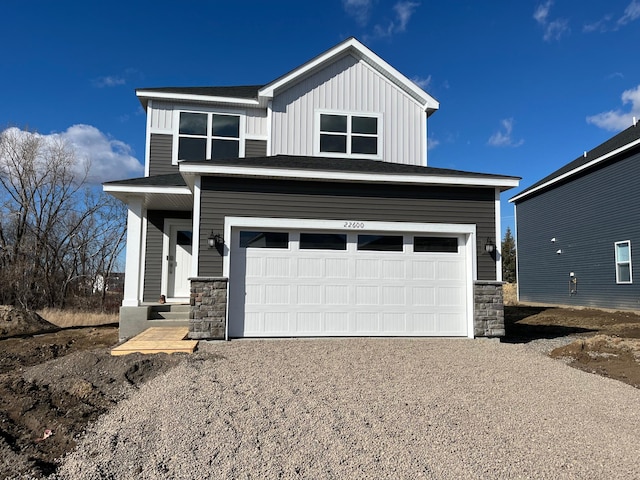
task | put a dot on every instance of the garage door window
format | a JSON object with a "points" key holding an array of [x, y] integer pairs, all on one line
{"points": [[323, 241], [435, 244], [380, 243], [264, 239]]}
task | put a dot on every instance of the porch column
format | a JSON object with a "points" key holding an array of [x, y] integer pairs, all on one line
{"points": [[133, 250]]}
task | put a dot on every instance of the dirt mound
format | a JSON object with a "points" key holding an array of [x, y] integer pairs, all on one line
{"points": [[16, 321], [605, 355], [62, 394]]}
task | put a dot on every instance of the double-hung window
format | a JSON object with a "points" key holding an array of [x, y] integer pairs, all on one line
{"points": [[208, 136], [623, 262], [349, 134]]}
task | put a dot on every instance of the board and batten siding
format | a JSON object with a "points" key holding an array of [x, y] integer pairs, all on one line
{"points": [[586, 216], [349, 85], [153, 252], [161, 116], [233, 197], [160, 155]]}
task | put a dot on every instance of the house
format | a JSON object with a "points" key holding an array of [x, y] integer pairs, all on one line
{"points": [[576, 229], [305, 207]]}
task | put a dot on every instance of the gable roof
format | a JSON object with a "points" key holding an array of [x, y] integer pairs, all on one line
{"points": [[343, 169], [259, 95], [352, 46], [620, 143]]}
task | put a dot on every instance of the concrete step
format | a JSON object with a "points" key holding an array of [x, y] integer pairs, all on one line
{"points": [[169, 312], [169, 316], [167, 323]]}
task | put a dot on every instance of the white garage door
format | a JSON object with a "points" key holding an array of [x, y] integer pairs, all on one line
{"points": [[323, 283]]}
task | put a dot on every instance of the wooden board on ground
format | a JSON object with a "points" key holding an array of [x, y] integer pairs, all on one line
{"points": [[158, 340]]}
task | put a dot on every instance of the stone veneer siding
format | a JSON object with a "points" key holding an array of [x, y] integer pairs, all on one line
{"points": [[207, 318], [489, 309], [209, 308]]}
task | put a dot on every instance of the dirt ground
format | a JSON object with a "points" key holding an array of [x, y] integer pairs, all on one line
{"points": [[64, 379]]}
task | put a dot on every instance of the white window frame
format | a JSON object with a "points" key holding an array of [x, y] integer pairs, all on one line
{"points": [[618, 262], [209, 137], [348, 134]]}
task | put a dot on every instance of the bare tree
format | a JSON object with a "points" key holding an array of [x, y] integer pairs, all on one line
{"points": [[54, 231]]}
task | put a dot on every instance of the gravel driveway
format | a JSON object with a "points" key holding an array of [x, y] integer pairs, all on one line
{"points": [[367, 408]]}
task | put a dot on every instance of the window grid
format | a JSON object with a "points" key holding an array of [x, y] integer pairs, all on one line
{"points": [[192, 144], [358, 135]]}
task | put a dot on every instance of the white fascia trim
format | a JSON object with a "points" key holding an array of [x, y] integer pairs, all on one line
{"points": [[346, 176], [139, 190], [576, 170], [428, 102], [196, 98]]}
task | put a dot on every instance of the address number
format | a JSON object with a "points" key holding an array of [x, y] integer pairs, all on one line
{"points": [[353, 224]]}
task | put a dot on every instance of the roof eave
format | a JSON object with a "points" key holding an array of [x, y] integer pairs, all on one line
{"points": [[145, 95]]}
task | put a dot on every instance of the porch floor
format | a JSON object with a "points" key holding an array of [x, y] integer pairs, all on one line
{"points": [[158, 340]]}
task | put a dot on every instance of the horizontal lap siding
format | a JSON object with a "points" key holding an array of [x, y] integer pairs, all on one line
{"points": [[585, 216], [160, 155], [341, 201], [153, 254], [255, 148]]}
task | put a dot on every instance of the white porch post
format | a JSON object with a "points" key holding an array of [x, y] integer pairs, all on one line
{"points": [[133, 260]]}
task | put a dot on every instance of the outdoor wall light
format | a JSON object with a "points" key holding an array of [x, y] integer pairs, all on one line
{"points": [[559, 251], [215, 240], [489, 246]]}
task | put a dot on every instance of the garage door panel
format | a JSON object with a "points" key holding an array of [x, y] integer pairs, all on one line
{"points": [[314, 292]]}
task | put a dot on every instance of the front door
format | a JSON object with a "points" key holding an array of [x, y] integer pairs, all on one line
{"points": [[179, 260]]}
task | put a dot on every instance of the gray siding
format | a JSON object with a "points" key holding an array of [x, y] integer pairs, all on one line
{"points": [[153, 257], [255, 148], [342, 201], [585, 216], [160, 155]]}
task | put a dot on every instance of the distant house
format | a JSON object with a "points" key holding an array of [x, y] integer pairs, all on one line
{"points": [[578, 229], [305, 207]]}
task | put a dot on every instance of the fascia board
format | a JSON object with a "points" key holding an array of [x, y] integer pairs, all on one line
{"points": [[145, 94], [428, 102], [575, 170], [348, 176], [144, 189]]}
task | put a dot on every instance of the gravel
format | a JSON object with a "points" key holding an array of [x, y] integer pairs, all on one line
{"points": [[367, 408]]}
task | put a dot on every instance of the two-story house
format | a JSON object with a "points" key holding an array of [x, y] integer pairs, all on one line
{"points": [[305, 207]]}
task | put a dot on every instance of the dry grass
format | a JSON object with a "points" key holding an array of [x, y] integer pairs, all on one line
{"points": [[510, 293], [73, 318]]}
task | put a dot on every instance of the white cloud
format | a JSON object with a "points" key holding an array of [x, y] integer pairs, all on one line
{"points": [[432, 143], [422, 82], [601, 25], [403, 11], [360, 10], [503, 137], [110, 81], [615, 120], [631, 13], [553, 29]]}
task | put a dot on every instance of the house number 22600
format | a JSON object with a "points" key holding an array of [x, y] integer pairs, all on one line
{"points": [[353, 224]]}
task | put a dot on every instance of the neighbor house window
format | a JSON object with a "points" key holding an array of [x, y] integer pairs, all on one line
{"points": [[208, 136], [623, 262], [349, 134]]}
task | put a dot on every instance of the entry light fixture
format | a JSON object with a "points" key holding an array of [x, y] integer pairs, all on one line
{"points": [[489, 246], [215, 240]]}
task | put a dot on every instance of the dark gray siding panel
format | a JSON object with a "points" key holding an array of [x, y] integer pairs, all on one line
{"points": [[585, 216], [160, 155], [255, 148], [342, 201], [153, 256]]}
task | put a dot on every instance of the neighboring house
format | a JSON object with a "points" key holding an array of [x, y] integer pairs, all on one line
{"points": [[309, 201], [578, 227]]}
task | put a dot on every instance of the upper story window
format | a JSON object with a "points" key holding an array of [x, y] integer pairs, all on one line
{"points": [[623, 262], [208, 135], [349, 134]]}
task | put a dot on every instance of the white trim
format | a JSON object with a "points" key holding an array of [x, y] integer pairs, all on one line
{"points": [[187, 97], [618, 281], [133, 259], [147, 147], [269, 128], [251, 136], [195, 250], [142, 189], [576, 170], [143, 251], [164, 279], [515, 233], [425, 138], [426, 100], [498, 238], [212, 169], [336, 225], [349, 114]]}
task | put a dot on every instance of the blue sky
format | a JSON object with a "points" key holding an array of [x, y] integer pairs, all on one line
{"points": [[524, 87]]}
